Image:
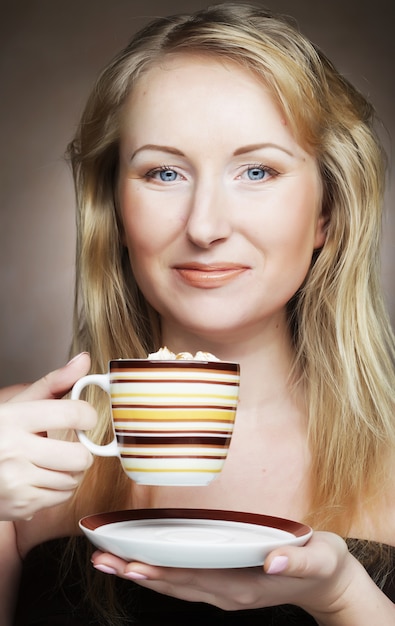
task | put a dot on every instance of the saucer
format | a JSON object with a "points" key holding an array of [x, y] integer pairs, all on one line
{"points": [[192, 538]]}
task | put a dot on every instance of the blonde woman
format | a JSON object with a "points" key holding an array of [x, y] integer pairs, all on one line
{"points": [[229, 189]]}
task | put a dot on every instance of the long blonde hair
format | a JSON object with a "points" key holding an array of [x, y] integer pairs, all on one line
{"points": [[343, 341]]}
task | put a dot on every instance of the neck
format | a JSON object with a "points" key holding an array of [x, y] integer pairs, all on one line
{"points": [[266, 358]]}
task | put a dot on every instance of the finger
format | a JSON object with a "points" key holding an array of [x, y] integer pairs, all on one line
{"points": [[43, 415], [57, 383], [112, 564], [6, 393], [55, 480], [318, 558], [45, 489], [137, 570], [15, 485], [228, 589], [108, 563], [61, 456]]}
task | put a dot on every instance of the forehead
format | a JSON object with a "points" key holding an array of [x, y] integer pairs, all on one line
{"points": [[204, 105], [178, 69], [199, 87]]}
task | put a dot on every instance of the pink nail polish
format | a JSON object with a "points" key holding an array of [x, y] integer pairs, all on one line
{"points": [[278, 565], [135, 576], [105, 569]]}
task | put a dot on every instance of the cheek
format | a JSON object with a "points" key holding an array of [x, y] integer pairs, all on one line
{"points": [[149, 241], [303, 227], [149, 224], [136, 231], [138, 234], [288, 234]]}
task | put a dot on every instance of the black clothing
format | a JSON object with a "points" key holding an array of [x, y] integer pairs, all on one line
{"points": [[44, 601]]}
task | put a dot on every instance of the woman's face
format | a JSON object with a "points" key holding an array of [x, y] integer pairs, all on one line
{"points": [[221, 207]]}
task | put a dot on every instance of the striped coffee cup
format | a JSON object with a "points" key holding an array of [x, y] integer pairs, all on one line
{"points": [[173, 420]]}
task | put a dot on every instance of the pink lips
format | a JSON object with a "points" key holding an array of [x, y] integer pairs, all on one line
{"points": [[209, 276]]}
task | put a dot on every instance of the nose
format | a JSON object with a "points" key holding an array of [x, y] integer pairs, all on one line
{"points": [[209, 219]]}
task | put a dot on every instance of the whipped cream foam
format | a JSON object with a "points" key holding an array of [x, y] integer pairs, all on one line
{"points": [[164, 354]]}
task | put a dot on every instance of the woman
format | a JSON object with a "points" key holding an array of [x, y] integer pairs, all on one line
{"points": [[229, 187]]}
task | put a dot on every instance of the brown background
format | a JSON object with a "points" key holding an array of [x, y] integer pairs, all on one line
{"points": [[50, 53]]}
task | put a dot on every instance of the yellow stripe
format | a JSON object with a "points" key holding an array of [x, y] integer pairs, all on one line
{"points": [[173, 415], [115, 396]]}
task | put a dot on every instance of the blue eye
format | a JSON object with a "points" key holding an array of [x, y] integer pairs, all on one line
{"points": [[167, 175], [256, 173], [164, 173]]}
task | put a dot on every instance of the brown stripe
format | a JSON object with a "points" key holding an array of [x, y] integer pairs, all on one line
{"points": [[127, 440], [171, 407], [174, 380], [172, 456], [143, 364]]}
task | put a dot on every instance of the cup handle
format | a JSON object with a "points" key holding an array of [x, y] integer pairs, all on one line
{"points": [[103, 381]]}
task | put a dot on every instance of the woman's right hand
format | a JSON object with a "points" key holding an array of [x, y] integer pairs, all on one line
{"points": [[36, 471]]}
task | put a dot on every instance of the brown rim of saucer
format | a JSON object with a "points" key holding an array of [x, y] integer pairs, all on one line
{"points": [[92, 522]]}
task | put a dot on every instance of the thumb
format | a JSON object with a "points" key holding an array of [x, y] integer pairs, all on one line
{"points": [[319, 557], [57, 383]]}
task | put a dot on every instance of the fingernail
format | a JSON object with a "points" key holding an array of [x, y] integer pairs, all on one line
{"points": [[105, 569], [278, 565], [77, 356], [135, 576]]}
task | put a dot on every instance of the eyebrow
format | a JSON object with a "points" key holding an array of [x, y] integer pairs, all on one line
{"points": [[157, 148], [243, 150], [260, 146]]}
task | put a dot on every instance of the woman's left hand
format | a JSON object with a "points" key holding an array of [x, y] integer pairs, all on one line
{"points": [[321, 577]]}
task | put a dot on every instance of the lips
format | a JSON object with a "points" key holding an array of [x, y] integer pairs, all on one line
{"points": [[205, 276]]}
